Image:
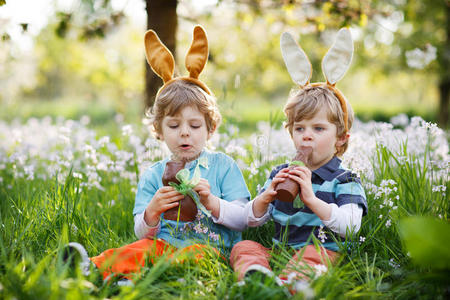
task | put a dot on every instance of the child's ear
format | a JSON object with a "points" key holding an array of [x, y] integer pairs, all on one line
{"points": [[342, 139]]}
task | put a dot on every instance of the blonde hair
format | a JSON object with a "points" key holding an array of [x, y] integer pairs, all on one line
{"points": [[179, 94], [305, 103]]}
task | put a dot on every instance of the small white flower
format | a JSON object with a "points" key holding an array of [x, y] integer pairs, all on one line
{"points": [[362, 239], [104, 140], [388, 223], [85, 120], [74, 228], [400, 120], [321, 235], [214, 236], [127, 130], [320, 269], [393, 264]]}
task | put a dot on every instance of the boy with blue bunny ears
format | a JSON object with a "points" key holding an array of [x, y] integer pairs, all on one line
{"points": [[332, 198]]}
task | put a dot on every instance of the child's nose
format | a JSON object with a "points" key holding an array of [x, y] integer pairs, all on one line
{"points": [[184, 130], [307, 134]]}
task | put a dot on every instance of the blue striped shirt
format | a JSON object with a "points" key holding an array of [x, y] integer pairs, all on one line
{"points": [[332, 184]]}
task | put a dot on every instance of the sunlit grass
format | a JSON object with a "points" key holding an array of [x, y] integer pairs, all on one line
{"points": [[39, 214]]}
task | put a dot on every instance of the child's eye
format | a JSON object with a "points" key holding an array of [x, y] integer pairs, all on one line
{"points": [[196, 126], [299, 129], [173, 126], [318, 128]]}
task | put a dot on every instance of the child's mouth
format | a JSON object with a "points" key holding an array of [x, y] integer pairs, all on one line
{"points": [[185, 146]]}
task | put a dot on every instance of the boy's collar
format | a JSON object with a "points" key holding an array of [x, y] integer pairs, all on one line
{"points": [[326, 171], [202, 160]]}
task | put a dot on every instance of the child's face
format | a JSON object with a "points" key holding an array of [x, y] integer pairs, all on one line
{"points": [[185, 133], [319, 135]]}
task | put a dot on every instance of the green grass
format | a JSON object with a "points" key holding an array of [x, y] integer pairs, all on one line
{"points": [[39, 216]]}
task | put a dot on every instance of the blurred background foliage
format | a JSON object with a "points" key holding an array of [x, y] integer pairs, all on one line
{"points": [[88, 59]]}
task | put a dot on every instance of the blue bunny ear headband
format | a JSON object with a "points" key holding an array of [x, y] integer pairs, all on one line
{"points": [[334, 64]]}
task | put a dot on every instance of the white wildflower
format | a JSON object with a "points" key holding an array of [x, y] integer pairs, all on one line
{"points": [[400, 120], [393, 264], [127, 130], [321, 235], [320, 269], [74, 228], [104, 140], [85, 120], [388, 223], [214, 236], [77, 175], [439, 189]]}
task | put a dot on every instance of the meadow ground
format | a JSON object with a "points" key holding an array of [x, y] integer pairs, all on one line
{"points": [[63, 180]]}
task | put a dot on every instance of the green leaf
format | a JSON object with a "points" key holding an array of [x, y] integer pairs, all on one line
{"points": [[297, 163], [298, 203], [427, 240], [2, 2]]}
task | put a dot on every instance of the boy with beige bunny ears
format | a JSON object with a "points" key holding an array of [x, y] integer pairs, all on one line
{"points": [[185, 115], [332, 199]]}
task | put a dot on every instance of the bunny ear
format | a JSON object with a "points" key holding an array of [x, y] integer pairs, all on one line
{"points": [[337, 60], [158, 56], [296, 61], [198, 53]]}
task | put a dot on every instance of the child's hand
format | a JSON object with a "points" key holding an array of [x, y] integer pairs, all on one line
{"points": [[269, 194], [210, 201], [261, 203], [302, 175], [164, 199], [204, 191]]}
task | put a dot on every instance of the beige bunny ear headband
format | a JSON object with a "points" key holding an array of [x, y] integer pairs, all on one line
{"points": [[163, 64], [334, 64]]}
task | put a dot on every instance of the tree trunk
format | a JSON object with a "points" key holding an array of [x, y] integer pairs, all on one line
{"points": [[444, 84], [162, 18]]}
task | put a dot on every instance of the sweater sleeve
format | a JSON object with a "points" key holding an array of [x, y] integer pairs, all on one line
{"points": [[232, 214], [345, 218], [253, 221], [142, 230]]}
